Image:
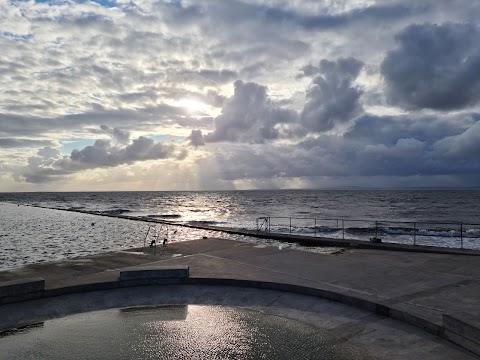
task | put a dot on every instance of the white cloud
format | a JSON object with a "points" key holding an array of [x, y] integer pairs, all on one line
{"points": [[12, 23]]}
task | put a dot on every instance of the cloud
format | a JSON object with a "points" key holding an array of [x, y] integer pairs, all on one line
{"points": [[463, 147], [12, 23], [122, 137], [332, 98], [104, 154], [23, 143], [249, 116], [205, 77], [69, 66], [298, 14], [434, 67], [144, 118], [214, 98], [387, 130], [308, 71], [196, 138], [400, 159], [333, 159], [49, 163]]}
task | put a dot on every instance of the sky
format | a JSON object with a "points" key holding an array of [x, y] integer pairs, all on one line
{"points": [[114, 95]]}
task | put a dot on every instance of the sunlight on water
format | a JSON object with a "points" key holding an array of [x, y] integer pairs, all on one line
{"points": [[33, 235], [175, 332]]}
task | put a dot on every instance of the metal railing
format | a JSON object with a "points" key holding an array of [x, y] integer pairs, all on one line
{"points": [[360, 229], [158, 234]]}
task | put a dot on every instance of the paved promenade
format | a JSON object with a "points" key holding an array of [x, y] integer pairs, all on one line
{"points": [[418, 288]]}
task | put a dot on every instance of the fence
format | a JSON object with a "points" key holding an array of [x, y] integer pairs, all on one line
{"points": [[443, 234]]}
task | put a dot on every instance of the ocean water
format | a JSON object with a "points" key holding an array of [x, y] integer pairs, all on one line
{"points": [[241, 208], [32, 234]]}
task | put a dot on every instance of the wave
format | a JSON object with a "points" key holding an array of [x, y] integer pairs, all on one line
{"points": [[361, 230], [207, 222], [380, 231], [165, 216], [76, 208], [325, 229], [114, 211]]}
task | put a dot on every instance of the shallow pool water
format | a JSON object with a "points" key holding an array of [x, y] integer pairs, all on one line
{"points": [[174, 332]]}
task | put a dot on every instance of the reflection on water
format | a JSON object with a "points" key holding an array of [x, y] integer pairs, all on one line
{"points": [[31, 235], [176, 332], [161, 312]]}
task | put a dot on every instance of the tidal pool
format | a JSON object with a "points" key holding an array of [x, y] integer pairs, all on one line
{"points": [[174, 332]]}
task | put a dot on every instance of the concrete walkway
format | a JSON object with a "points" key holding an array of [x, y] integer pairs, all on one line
{"points": [[418, 288]]}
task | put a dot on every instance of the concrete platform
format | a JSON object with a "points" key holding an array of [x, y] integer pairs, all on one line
{"points": [[417, 288]]}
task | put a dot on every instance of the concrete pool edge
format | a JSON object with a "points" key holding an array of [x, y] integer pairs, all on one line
{"points": [[457, 331]]}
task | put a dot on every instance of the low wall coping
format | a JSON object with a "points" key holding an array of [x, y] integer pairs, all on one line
{"points": [[154, 272], [20, 287]]}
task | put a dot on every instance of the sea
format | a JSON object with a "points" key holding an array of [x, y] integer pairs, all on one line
{"points": [[34, 227]]}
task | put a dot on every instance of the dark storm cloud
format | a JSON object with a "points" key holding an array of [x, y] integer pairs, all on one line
{"points": [[463, 147], [196, 138], [319, 22], [50, 163], [235, 11], [332, 98], [23, 143], [434, 66], [426, 128], [401, 146], [386, 153], [249, 116]]}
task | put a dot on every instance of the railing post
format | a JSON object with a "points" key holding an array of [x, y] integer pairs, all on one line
{"points": [[414, 234], [343, 229], [146, 235], [461, 235], [290, 226]]}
